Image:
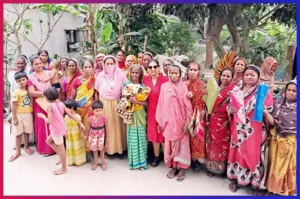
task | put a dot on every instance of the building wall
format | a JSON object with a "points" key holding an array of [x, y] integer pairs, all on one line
{"points": [[57, 42]]}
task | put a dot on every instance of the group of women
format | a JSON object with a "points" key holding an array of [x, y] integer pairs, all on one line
{"points": [[257, 155]]}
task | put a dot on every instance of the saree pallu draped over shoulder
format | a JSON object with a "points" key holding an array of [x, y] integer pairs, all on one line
{"points": [[175, 109]]}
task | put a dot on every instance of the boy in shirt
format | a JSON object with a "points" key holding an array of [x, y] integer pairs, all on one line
{"points": [[22, 117]]}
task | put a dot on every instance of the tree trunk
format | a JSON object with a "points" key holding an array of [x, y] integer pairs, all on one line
{"points": [[244, 48], [121, 36], [209, 44], [216, 28], [290, 56], [235, 10], [19, 45], [145, 43]]}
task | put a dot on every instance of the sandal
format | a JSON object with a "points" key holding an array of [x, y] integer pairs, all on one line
{"points": [[104, 168], [181, 175], [172, 173], [94, 167], [155, 162], [233, 187]]}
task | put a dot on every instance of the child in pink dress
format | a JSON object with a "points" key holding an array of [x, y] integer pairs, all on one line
{"points": [[97, 134], [57, 126]]}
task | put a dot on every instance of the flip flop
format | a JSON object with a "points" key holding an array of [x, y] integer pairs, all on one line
{"points": [[233, 187], [181, 177], [172, 173], [94, 167], [104, 168]]}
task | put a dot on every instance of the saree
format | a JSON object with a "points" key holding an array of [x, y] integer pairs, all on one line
{"points": [[219, 134], [247, 154], [137, 141], [198, 143], [68, 81], [84, 98], [174, 109], [109, 84], [41, 129], [282, 154], [266, 74]]}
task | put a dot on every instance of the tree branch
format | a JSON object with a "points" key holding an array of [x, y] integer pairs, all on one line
{"points": [[260, 19], [16, 9], [287, 43], [48, 35], [11, 41], [29, 41], [11, 11], [9, 25]]}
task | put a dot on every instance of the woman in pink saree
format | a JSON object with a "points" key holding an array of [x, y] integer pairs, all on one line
{"points": [[174, 112], [248, 145], [35, 89]]}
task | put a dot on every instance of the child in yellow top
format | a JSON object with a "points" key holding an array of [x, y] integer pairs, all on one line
{"points": [[22, 117], [75, 144]]}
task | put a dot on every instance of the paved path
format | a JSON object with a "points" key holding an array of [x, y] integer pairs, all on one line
{"points": [[32, 175]]}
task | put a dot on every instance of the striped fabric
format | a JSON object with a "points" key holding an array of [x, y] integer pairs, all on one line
{"points": [[75, 146], [137, 141]]}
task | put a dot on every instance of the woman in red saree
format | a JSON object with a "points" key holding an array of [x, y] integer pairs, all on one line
{"points": [[238, 65], [147, 56], [98, 67], [173, 117], [35, 89], [219, 127], [247, 158], [121, 56], [72, 72], [196, 92]]}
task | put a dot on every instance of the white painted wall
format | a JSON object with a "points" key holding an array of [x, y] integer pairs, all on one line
{"points": [[57, 43]]}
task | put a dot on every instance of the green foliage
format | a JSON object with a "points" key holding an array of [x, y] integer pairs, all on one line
{"points": [[272, 40]]}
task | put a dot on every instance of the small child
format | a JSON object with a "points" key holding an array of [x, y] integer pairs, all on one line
{"points": [[22, 117], [75, 144], [57, 126], [97, 134], [54, 77]]}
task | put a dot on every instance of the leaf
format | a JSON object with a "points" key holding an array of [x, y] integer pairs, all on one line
{"points": [[106, 33]]}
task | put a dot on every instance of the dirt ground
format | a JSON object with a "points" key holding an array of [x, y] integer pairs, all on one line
{"points": [[32, 175]]}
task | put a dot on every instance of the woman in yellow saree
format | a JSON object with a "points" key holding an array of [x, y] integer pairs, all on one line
{"points": [[83, 94]]}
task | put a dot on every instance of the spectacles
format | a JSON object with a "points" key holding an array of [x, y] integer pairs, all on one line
{"points": [[151, 67], [167, 64]]}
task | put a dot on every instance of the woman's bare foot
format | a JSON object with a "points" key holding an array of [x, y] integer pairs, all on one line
{"points": [[28, 151], [210, 175], [94, 166], [13, 157], [60, 171]]}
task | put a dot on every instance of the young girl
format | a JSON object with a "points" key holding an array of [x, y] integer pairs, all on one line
{"points": [[97, 134], [54, 77], [57, 126], [75, 144]]}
